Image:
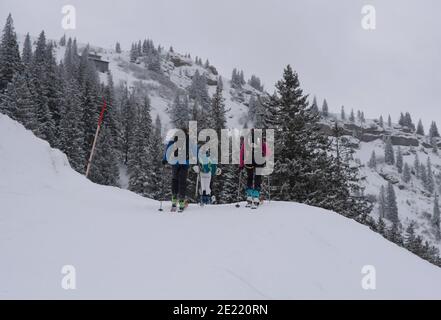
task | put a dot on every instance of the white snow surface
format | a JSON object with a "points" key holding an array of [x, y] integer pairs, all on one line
{"points": [[122, 247]]}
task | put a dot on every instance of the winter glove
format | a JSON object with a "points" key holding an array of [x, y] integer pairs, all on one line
{"points": [[196, 169], [218, 171]]}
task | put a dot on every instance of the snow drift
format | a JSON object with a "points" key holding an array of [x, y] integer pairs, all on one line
{"points": [[122, 247]]}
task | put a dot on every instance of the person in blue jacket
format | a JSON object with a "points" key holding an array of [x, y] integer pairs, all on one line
{"points": [[180, 164]]}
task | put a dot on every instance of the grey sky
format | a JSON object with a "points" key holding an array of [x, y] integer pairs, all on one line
{"points": [[394, 68]]}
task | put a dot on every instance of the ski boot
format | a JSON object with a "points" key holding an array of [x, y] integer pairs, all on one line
{"points": [[256, 199], [174, 207], [249, 196], [182, 205]]}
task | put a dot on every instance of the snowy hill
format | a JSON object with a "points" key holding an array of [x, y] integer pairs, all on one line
{"points": [[177, 71], [122, 247]]}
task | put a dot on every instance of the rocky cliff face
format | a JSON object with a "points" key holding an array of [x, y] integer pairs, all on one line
{"points": [[371, 131]]}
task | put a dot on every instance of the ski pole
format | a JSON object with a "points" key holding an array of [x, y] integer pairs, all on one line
{"points": [[269, 189], [238, 190], [197, 186], [162, 189], [100, 121]]}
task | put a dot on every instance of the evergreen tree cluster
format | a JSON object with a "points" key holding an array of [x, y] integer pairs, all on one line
{"points": [[407, 239], [237, 79], [256, 83], [60, 101], [406, 121], [147, 52], [309, 168]]}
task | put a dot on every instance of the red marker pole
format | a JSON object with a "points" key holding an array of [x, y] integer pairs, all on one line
{"points": [[100, 121]]}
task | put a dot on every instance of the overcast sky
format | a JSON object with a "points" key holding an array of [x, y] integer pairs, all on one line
{"points": [[396, 67]]}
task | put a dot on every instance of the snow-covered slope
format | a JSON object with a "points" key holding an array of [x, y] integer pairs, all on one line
{"points": [[122, 247], [415, 203]]}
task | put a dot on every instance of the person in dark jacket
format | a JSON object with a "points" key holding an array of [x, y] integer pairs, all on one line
{"points": [[254, 181], [180, 164]]}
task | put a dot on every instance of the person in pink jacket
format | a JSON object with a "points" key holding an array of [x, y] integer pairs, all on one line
{"points": [[254, 181]]}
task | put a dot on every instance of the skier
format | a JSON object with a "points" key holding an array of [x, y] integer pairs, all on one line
{"points": [[206, 169], [179, 170], [254, 181]]}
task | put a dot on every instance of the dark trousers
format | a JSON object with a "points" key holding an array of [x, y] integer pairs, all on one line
{"points": [[253, 181], [179, 181]]}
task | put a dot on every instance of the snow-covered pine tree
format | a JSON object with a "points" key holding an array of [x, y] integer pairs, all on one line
{"points": [[373, 161], [406, 173], [62, 41], [242, 78], [71, 61], [381, 226], [159, 178], [433, 132], [180, 111], [416, 165], [140, 159], [352, 116], [256, 83], [113, 116], [436, 217], [420, 128], [325, 109], [389, 157], [261, 116], [423, 174], [401, 121], [218, 121], [399, 161], [133, 53], [118, 48], [129, 110], [219, 112], [236, 82], [53, 90], [252, 109], [430, 183], [71, 127], [389, 121], [410, 238], [304, 172], [10, 62], [45, 122], [391, 204], [18, 103], [381, 122], [394, 234], [91, 100], [343, 113], [104, 169], [408, 121], [198, 90], [382, 203], [27, 53], [314, 106]]}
